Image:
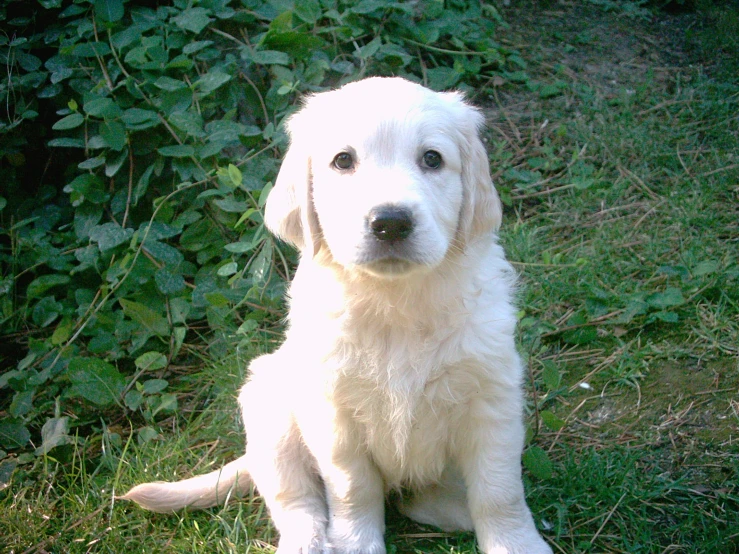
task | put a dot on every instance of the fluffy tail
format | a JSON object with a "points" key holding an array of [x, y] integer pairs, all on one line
{"points": [[198, 492]]}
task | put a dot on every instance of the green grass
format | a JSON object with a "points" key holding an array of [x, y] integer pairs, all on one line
{"points": [[623, 220]]}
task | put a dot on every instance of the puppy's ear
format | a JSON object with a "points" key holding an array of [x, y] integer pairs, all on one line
{"points": [[289, 211], [481, 209]]}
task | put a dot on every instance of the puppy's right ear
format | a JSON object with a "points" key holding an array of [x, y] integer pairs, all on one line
{"points": [[289, 211]]}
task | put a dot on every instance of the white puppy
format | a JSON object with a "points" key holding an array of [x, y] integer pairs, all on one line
{"points": [[399, 369]]}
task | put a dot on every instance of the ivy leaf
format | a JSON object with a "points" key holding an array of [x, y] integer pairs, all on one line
{"points": [[22, 403], [69, 122], [95, 380], [193, 19], [189, 122], [552, 421], [211, 81], [66, 142], [62, 332], [196, 46], [168, 282], [669, 298], [667, 317], [583, 335], [550, 375], [39, 286], [46, 311], [109, 235], [86, 217], [133, 400], [144, 315], [167, 402], [151, 361], [109, 10], [177, 151], [442, 78], [112, 165], [114, 134], [14, 435], [234, 174], [55, 432], [153, 386], [91, 49], [537, 461], [270, 57], [164, 253], [706, 268], [169, 84], [230, 204], [137, 118], [308, 10], [105, 108], [228, 269]]}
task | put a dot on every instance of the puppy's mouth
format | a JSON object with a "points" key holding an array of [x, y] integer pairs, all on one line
{"points": [[392, 261], [389, 267]]}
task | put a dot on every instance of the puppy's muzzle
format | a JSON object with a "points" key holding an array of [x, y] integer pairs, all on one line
{"points": [[390, 223]]}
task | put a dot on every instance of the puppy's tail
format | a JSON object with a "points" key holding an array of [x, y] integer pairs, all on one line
{"points": [[202, 491]]}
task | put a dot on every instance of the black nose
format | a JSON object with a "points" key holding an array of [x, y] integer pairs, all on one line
{"points": [[390, 223]]}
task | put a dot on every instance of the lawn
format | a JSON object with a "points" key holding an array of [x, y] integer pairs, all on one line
{"points": [[616, 150]]}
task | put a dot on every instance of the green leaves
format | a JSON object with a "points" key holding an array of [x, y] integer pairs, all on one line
{"points": [[537, 462], [95, 380], [109, 235], [13, 435], [55, 432], [145, 316], [40, 285], [193, 20], [109, 10], [69, 122]]}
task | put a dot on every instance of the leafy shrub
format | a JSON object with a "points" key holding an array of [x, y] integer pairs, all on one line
{"points": [[138, 147]]}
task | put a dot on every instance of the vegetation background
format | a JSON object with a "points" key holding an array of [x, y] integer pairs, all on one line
{"points": [[137, 147]]}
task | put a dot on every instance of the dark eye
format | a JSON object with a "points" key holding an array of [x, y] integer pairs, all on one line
{"points": [[343, 161], [432, 159]]}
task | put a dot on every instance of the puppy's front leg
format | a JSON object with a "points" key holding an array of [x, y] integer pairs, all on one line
{"points": [[354, 487], [490, 459], [279, 462]]}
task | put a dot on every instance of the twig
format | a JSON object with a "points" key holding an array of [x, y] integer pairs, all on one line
{"points": [[108, 80], [130, 186], [608, 518], [642, 218], [259, 96], [636, 179], [719, 170]]}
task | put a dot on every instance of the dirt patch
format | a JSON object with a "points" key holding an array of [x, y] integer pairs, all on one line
{"points": [[685, 416]]}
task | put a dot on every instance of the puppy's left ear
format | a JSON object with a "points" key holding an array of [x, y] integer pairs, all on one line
{"points": [[481, 209], [289, 211]]}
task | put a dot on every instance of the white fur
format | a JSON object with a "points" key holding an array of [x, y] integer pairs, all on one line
{"points": [[399, 369]]}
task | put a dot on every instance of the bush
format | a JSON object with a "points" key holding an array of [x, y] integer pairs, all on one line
{"points": [[138, 148]]}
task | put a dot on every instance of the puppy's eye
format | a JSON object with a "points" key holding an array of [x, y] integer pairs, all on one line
{"points": [[343, 161], [432, 159]]}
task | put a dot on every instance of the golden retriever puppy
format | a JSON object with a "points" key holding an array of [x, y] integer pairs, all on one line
{"points": [[399, 369]]}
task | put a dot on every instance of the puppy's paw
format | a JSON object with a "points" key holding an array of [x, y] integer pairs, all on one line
{"points": [[355, 549], [312, 544], [359, 541], [528, 543], [302, 533]]}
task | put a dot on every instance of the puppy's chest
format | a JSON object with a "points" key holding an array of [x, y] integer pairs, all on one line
{"points": [[407, 402]]}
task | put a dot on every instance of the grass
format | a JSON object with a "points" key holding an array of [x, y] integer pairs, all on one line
{"points": [[618, 161]]}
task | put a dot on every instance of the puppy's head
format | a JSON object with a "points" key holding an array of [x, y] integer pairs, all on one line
{"points": [[386, 175]]}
